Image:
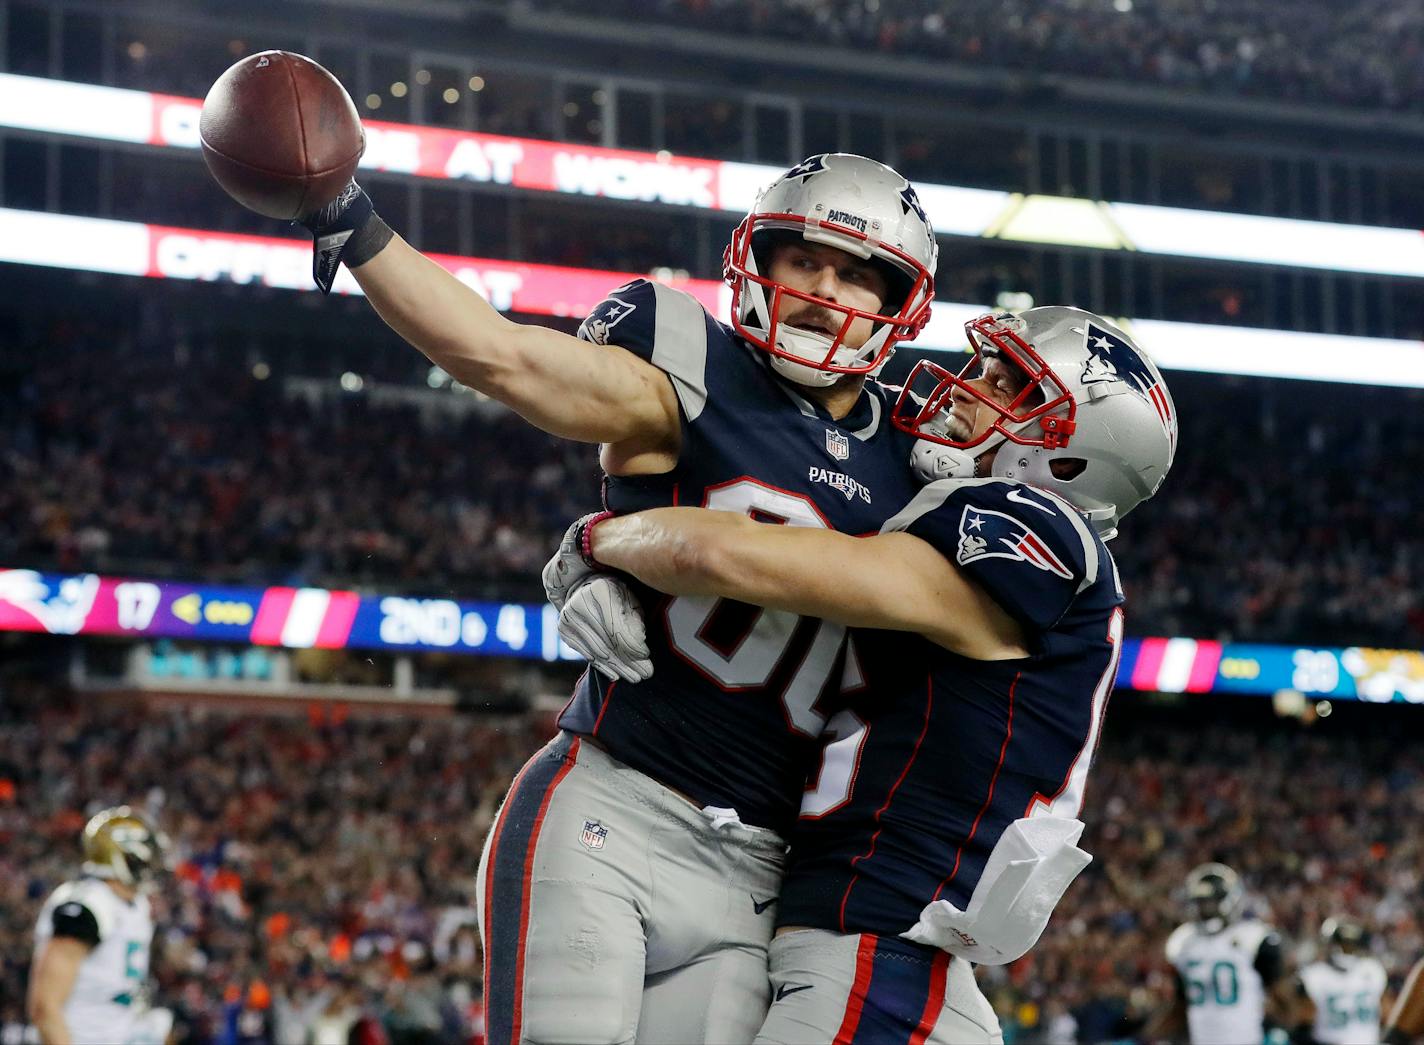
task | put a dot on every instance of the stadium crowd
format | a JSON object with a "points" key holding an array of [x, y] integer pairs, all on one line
{"points": [[224, 475], [323, 871], [1293, 50], [1286, 519], [1303, 51], [323, 877]]}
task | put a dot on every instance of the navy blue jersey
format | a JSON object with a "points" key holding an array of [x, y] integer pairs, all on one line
{"points": [[939, 753], [739, 694]]}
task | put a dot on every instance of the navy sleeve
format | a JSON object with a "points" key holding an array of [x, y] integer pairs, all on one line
{"points": [[74, 920], [665, 327], [627, 317], [1032, 552]]}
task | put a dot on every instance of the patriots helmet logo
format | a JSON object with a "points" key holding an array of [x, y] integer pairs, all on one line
{"points": [[601, 321], [807, 167], [911, 202], [1110, 358], [986, 534]]}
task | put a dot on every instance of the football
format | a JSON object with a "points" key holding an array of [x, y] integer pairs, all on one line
{"points": [[280, 134]]}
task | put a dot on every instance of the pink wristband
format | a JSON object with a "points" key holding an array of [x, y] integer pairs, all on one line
{"points": [[586, 539]]}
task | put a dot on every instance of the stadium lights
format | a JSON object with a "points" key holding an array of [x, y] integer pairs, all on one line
{"points": [[131, 248], [304, 618], [115, 114]]}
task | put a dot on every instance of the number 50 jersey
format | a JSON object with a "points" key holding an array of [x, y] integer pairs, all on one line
{"points": [[739, 694], [1222, 977]]}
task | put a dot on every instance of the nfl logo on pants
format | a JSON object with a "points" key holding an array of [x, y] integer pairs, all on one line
{"points": [[593, 834]]}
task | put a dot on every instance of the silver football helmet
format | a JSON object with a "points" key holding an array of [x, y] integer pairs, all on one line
{"points": [[1342, 940], [121, 844], [1215, 895], [857, 205], [1094, 423]]}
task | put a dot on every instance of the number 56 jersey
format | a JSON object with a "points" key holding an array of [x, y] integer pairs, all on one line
{"points": [[739, 694]]}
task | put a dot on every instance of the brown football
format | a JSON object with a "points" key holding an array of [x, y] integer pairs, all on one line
{"points": [[280, 134]]}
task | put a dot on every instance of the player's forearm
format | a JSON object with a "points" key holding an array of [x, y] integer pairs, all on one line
{"points": [[674, 550], [49, 1022], [696, 551], [1407, 1020], [567, 389], [893, 582]]}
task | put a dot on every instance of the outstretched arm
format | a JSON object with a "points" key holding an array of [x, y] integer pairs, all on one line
{"points": [[565, 386], [893, 581], [1406, 1022]]}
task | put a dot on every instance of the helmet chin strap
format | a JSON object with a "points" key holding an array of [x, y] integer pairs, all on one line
{"points": [[810, 346], [803, 373], [933, 461]]}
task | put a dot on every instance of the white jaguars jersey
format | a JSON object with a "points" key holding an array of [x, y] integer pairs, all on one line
{"points": [[1347, 1000], [1226, 1000], [105, 1004]]}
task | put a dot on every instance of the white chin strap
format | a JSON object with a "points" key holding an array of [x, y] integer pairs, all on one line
{"points": [[933, 461], [805, 345]]}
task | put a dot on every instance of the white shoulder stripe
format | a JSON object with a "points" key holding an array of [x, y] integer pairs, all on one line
{"points": [[801, 404], [680, 346], [929, 497]]}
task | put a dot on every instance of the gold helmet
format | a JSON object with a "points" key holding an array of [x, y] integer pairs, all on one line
{"points": [[120, 844]]}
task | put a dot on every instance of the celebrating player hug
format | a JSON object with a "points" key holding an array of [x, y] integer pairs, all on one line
{"points": [[665, 523]]}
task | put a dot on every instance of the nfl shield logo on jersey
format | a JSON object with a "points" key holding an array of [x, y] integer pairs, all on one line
{"points": [[593, 834], [837, 445]]}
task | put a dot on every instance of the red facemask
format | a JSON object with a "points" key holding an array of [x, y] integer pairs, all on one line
{"points": [[739, 269], [926, 397]]}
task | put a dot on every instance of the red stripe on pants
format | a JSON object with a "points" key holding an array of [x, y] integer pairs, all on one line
{"points": [[934, 1004], [864, 966]]}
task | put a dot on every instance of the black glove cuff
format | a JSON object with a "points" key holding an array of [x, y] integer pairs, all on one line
{"points": [[366, 242], [347, 230]]}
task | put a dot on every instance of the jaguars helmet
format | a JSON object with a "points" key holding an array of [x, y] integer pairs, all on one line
{"points": [[1215, 895], [121, 845], [1342, 939], [1094, 422], [859, 206]]}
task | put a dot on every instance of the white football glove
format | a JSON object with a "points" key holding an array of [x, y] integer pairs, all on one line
{"points": [[601, 619], [568, 566]]}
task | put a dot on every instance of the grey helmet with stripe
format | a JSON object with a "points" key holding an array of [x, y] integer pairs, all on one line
{"points": [[855, 204], [1094, 423]]}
